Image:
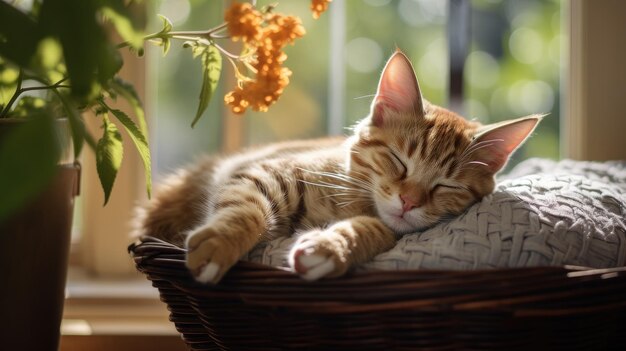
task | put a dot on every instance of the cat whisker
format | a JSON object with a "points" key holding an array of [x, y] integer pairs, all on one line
{"points": [[477, 163], [344, 178], [334, 186], [356, 193], [477, 146], [351, 202], [474, 145], [357, 188], [353, 180], [331, 186], [469, 164], [358, 172], [467, 155]]}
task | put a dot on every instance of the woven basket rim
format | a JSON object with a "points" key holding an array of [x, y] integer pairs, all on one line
{"points": [[177, 255], [381, 290], [258, 307]]}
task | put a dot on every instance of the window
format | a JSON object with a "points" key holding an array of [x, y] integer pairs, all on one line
{"points": [[515, 64], [512, 67]]}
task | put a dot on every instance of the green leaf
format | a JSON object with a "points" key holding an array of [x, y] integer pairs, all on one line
{"points": [[8, 83], [139, 140], [124, 27], [167, 43], [165, 40], [211, 69], [49, 53], [196, 48], [79, 133], [167, 24], [19, 35], [109, 154], [128, 92], [90, 57], [29, 152]]}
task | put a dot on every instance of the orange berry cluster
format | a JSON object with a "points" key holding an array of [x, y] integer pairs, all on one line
{"points": [[267, 35], [318, 7]]}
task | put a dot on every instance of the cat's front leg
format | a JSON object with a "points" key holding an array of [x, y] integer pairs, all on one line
{"points": [[331, 252], [238, 222]]}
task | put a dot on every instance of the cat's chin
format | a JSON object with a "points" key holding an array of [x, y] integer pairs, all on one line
{"points": [[399, 225]]}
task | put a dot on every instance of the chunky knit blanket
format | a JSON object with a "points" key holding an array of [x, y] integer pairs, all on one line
{"points": [[543, 213]]}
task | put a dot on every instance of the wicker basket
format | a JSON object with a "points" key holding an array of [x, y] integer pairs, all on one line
{"points": [[257, 307]]}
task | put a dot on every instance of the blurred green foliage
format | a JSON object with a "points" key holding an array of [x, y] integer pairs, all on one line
{"points": [[57, 59], [515, 66]]}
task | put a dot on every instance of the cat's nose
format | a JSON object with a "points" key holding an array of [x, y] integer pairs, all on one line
{"points": [[409, 202]]}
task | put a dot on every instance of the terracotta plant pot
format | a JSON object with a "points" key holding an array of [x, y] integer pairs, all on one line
{"points": [[34, 246]]}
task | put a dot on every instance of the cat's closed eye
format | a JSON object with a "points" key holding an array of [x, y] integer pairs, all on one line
{"points": [[399, 164], [444, 187]]}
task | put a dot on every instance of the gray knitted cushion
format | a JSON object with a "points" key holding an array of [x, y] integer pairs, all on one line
{"points": [[542, 213]]}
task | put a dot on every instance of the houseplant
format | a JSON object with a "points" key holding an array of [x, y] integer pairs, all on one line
{"points": [[64, 51], [64, 48]]}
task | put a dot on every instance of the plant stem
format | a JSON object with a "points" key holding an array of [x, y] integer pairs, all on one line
{"points": [[200, 33], [17, 93], [76, 123], [182, 35], [217, 36], [21, 90], [225, 52], [186, 37], [218, 28], [54, 86]]}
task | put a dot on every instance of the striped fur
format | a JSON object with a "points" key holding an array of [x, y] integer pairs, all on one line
{"points": [[407, 166]]}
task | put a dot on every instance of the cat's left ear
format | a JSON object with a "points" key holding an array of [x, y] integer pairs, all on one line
{"points": [[495, 143], [398, 90]]}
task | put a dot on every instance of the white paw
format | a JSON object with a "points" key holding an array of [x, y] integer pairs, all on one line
{"points": [[208, 273], [309, 265], [209, 258]]}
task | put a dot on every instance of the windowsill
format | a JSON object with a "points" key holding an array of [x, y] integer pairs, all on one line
{"points": [[81, 285], [123, 314]]}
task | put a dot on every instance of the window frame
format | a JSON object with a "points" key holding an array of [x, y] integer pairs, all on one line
{"points": [[593, 123]]}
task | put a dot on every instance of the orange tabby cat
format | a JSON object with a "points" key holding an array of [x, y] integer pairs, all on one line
{"points": [[408, 165]]}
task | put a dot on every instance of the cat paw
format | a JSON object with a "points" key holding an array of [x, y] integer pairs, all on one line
{"points": [[313, 257], [311, 266], [208, 256]]}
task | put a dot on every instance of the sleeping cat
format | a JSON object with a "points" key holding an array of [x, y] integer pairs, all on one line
{"points": [[408, 165]]}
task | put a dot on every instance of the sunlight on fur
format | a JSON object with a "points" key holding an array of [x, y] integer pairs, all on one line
{"points": [[408, 165]]}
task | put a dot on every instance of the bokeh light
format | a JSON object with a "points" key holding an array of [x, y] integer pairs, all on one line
{"points": [[422, 12], [364, 55], [526, 45], [377, 3], [481, 70], [176, 10], [431, 67]]}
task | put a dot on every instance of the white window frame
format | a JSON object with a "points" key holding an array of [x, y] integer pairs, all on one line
{"points": [[593, 124]]}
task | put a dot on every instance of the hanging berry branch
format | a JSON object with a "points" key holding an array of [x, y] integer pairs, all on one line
{"points": [[259, 68]]}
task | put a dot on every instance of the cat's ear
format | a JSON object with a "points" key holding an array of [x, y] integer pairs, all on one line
{"points": [[398, 90], [494, 143]]}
